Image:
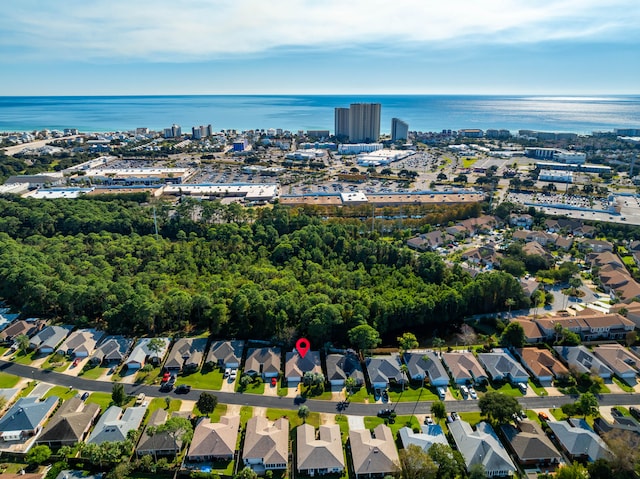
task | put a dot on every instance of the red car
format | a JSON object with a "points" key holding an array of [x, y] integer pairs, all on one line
{"points": [[274, 381], [75, 362], [166, 377]]}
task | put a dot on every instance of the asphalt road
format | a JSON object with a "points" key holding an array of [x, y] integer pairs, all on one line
{"points": [[356, 409]]}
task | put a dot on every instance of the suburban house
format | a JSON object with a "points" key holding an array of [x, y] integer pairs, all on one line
{"points": [[295, 366], [632, 311], [383, 370], [111, 350], [532, 331], [226, 354], [186, 353], [588, 324], [595, 245], [263, 362], [266, 444], [214, 441], [542, 364], [483, 255], [500, 365], [578, 440], [426, 364], [45, 341], [430, 435], [482, 446], [620, 423], [142, 353], [523, 220], [26, 418], [530, 444], [430, 241], [569, 225], [70, 424], [20, 327], [321, 455], [343, 366], [373, 455], [113, 425], [620, 360], [582, 361], [160, 443], [464, 367], [80, 343]]}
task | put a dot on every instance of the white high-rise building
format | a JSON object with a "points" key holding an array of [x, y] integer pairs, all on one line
{"points": [[342, 122], [399, 130], [364, 122]]}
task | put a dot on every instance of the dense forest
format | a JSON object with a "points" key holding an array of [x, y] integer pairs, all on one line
{"points": [[265, 273]]}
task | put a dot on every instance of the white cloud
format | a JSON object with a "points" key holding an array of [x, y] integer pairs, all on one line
{"points": [[158, 30]]}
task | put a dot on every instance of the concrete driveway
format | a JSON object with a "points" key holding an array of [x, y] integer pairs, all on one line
{"points": [[355, 423]]}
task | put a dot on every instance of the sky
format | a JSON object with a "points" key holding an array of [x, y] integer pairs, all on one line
{"points": [[131, 47]]}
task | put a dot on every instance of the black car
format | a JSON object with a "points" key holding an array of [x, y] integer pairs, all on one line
{"points": [[616, 412], [385, 413], [84, 396], [183, 389], [166, 387], [635, 412]]}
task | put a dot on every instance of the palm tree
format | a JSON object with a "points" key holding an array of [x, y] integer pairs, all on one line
{"points": [[22, 341], [438, 343], [303, 413], [510, 302], [404, 369]]}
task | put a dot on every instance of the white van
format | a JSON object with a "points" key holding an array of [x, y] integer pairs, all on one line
{"points": [[442, 393]]}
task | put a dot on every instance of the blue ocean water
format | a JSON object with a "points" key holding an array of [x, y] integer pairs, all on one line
{"points": [[307, 112]]}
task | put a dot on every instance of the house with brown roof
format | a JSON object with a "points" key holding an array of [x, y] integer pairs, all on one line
{"points": [[80, 343], [70, 424], [532, 332], [373, 455], [430, 241], [530, 445], [620, 360], [321, 455], [542, 364], [266, 444], [536, 249], [213, 441], [632, 311], [589, 325], [159, 443], [263, 362], [186, 353], [296, 366], [464, 367], [19, 327]]}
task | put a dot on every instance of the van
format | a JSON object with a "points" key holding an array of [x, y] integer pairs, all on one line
{"points": [[140, 399], [442, 393], [522, 387]]}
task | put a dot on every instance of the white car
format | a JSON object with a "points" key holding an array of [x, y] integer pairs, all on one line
{"points": [[233, 374], [464, 391], [472, 393], [227, 372]]}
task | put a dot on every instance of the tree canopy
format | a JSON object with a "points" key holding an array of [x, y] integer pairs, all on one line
{"points": [[498, 407]]}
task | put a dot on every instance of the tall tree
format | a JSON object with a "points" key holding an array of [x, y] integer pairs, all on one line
{"points": [[415, 463], [587, 404], [498, 407], [407, 341], [206, 403], [303, 413], [439, 410], [179, 429], [572, 471], [38, 454], [118, 395], [22, 341], [513, 335], [364, 337]]}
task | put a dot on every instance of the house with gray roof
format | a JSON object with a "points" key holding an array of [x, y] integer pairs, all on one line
{"points": [[620, 423], [426, 364], [263, 362], [111, 350], [500, 365], [620, 360], [321, 455], [17, 328], [114, 425], [383, 370], [45, 341], [70, 424], [482, 446], [226, 354], [343, 366], [579, 441], [26, 418], [295, 366], [530, 444], [186, 353], [214, 441], [141, 354], [266, 444], [430, 434], [159, 443], [80, 343], [464, 367], [580, 359], [374, 454]]}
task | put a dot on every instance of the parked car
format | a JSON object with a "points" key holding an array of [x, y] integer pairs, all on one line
{"points": [[385, 396], [166, 376], [449, 418], [84, 396], [274, 382], [616, 412], [465, 391], [140, 399], [635, 412], [232, 375], [522, 387], [385, 413], [442, 393], [227, 372], [428, 421], [473, 393], [183, 389], [454, 415], [543, 416]]}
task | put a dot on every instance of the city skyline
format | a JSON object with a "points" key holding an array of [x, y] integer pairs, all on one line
{"points": [[248, 47]]}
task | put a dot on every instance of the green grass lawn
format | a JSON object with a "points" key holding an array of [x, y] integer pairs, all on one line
{"points": [[12, 467], [61, 392], [8, 380], [57, 363], [343, 423], [246, 413], [294, 420], [539, 390], [203, 379], [27, 390], [371, 422], [362, 395], [623, 410], [160, 403], [472, 418], [148, 377], [26, 358], [411, 393], [532, 415], [218, 412], [624, 386], [506, 389], [101, 399], [560, 415], [93, 373], [468, 162], [256, 387]]}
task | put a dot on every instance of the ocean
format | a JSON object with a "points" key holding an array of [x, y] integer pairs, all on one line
{"points": [[315, 112]]}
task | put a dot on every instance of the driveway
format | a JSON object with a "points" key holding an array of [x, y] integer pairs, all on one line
{"points": [[40, 390], [355, 423]]}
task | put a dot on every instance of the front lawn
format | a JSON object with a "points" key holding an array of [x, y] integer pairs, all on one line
{"points": [[539, 390], [254, 387], [294, 420], [148, 377], [370, 422], [56, 362], [161, 403], [362, 395], [206, 378], [472, 418], [624, 386], [507, 389], [8, 381], [101, 399], [411, 393], [62, 392], [93, 372], [22, 357]]}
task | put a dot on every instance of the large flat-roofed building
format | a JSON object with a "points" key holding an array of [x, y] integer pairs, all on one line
{"points": [[342, 122], [399, 130], [245, 191], [357, 148], [140, 176], [557, 155]]}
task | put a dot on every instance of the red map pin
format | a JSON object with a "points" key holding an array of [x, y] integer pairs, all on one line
{"points": [[302, 345]]}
